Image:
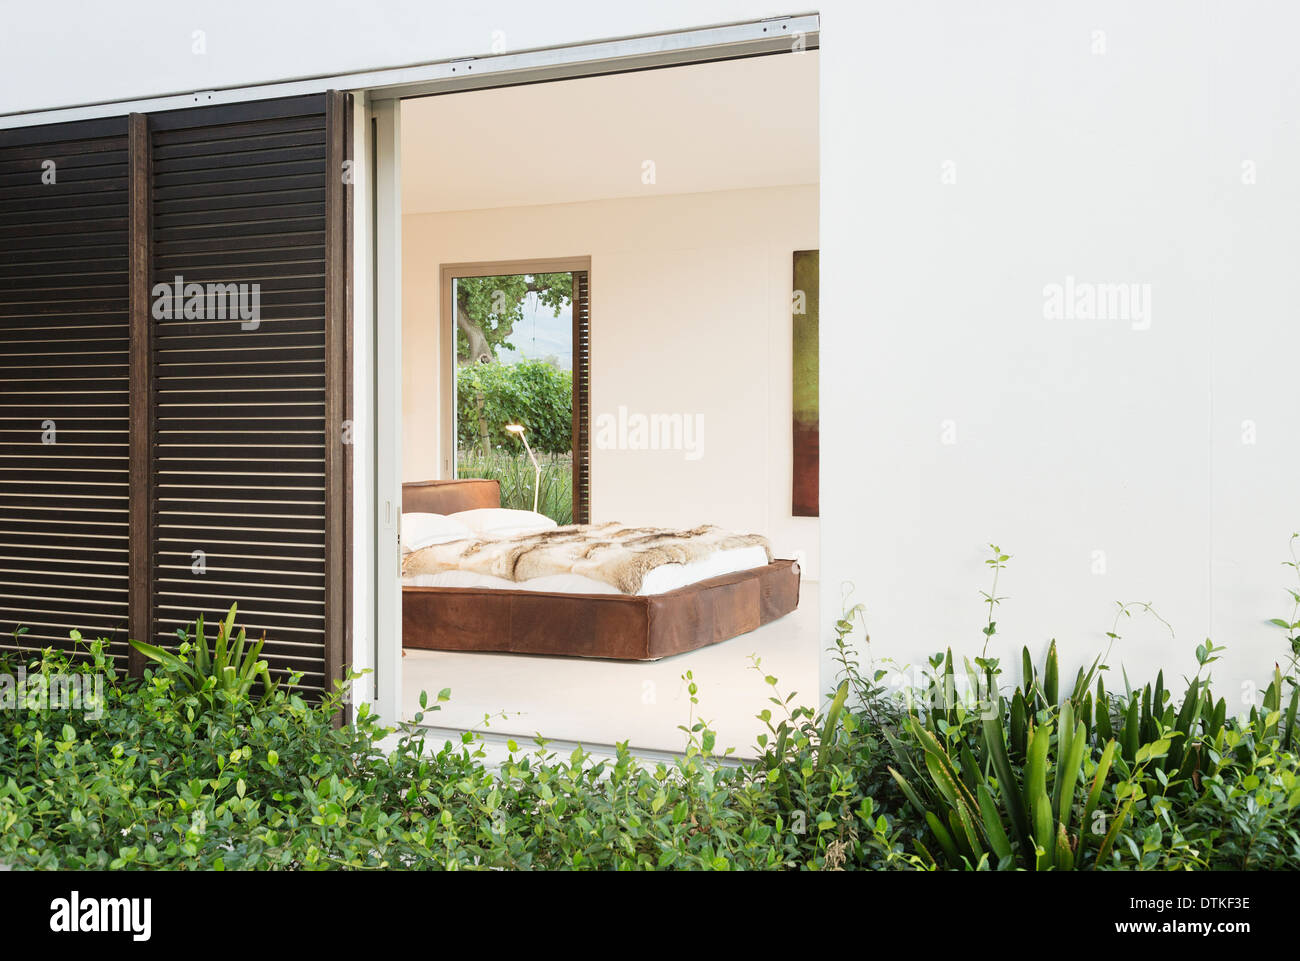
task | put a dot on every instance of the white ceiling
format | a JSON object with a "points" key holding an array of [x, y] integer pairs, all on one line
{"points": [[719, 126]]}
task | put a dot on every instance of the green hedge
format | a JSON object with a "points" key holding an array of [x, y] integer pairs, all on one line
{"points": [[532, 393]]}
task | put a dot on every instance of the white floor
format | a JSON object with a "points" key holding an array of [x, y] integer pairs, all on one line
{"points": [[598, 702]]}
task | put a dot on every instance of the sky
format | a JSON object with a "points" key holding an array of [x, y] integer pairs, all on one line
{"points": [[541, 335]]}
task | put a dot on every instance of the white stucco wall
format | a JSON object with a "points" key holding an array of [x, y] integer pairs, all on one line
{"points": [[690, 315], [1072, 437]]}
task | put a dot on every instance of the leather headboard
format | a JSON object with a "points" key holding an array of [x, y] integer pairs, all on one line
{"points": [[449, 496]]}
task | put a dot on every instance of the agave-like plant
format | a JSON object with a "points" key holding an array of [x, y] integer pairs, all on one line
{"points": [[1008, 791], [1038, 803], [231, 667]]}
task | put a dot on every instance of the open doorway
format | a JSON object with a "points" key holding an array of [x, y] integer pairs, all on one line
{"points": [[680, 196]]}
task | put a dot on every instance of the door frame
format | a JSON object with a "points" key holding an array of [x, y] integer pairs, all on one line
{"points": [[381, 151]]}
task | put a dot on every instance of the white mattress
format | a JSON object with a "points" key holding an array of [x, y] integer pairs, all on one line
{"points": [[668, 577]]}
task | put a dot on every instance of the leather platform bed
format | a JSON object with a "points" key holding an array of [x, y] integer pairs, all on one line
{"points": [[605, 625]]}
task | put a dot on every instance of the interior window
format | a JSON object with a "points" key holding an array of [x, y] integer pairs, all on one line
{"points": [[516, 392]]}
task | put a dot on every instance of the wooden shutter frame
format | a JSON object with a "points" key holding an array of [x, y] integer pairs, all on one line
{"points": [[143, 402], [337, 392]]}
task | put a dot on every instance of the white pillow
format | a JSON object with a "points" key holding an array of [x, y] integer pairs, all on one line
{"points": [[503, 522], [425, 530]]}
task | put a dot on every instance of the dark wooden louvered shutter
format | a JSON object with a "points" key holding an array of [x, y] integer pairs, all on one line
{"points": [[153, 468], [581, 397], [64, 357], [248, 452]]}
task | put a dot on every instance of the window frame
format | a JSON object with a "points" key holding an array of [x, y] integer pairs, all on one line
{"points": [[446, 371]]}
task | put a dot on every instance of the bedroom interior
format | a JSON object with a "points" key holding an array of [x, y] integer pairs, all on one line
{"points": [[688, 217]]}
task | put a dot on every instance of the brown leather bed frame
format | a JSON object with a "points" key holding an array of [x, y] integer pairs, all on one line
{"points": [[620, 626]]}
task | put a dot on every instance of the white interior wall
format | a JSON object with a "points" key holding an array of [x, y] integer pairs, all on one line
{"points": [[690, 310]]}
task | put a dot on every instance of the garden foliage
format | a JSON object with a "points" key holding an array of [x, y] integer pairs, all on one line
{"points": [[533, 393], [970, 770]]}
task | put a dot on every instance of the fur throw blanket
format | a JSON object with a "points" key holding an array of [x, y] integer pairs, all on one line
{"points": [[617, 555]]}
